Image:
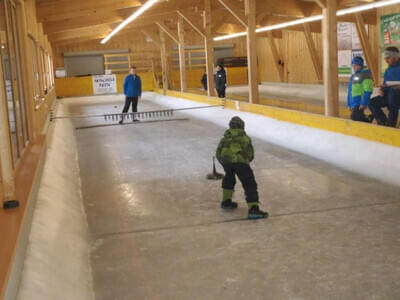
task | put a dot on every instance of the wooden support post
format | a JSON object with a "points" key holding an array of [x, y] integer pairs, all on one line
{"points": [[164, 62], [153, 69], [330, 60], [313, 52], [371, 60], [208, 45], [252, 52], [276, 56], [182, 58]]}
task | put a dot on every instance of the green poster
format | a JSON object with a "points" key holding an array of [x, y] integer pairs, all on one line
{"points": [[390, 30]]}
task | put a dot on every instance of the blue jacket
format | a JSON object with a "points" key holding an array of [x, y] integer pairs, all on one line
{"points": [[392, 73], [132, 86], [360, 88]]}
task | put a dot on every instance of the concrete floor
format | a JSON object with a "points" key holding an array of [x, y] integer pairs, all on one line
{"points": [[158, 233]]}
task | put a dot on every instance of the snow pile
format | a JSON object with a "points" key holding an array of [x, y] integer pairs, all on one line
{"points": [[57, 262], [364, 157]]}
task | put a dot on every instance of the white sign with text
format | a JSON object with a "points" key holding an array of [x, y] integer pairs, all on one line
{"points": [[104, 84]]}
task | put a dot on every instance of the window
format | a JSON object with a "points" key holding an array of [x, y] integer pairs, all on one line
{"points": [[12, 78], [35, 71], [51, 71], [44, 73]]}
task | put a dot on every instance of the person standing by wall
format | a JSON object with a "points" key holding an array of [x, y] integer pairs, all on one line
{"points": [[132, 91], [220, 81], [360, 90], [204, 80], [389, 95]]}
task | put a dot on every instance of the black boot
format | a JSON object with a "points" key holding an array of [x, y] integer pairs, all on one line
{"points": [[256, 213], [228, 204]]}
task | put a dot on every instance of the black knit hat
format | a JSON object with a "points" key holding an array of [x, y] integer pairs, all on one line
{"points": [[236, 123]]}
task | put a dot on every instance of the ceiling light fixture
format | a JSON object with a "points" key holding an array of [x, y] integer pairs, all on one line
{"points": [[341, 12], [136, 14]]}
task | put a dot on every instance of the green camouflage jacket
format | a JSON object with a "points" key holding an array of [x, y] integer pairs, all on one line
{"points": [[235, 147]]}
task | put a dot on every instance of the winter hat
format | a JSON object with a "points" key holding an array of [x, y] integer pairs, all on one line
{"points": [[236, 123], [392, 52], [358, 60]]}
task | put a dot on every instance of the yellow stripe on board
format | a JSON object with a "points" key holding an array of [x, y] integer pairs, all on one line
{"points": [[384, 135]]}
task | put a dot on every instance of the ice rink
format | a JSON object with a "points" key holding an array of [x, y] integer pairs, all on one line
{"points": [[157, 232]]}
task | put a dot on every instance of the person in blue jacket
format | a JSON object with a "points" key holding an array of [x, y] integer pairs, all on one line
{"points": [[389, 95], [360, 90], [132, 91]]}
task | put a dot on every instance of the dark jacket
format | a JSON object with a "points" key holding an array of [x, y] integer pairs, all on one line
{"points": [[132, 86], [220, 79], [235, 147], [204, 81]]}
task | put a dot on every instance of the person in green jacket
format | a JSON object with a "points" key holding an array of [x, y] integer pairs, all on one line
{"points": [[360, 90], [235, 152]]}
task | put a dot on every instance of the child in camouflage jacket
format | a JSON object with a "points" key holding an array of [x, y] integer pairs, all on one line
{"points": [[235, 152]]}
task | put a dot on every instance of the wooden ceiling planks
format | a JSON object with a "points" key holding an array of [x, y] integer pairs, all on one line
{"points": [[65, 20]]}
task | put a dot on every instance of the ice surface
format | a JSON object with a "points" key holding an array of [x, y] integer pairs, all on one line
{"points": [[364, 157]]}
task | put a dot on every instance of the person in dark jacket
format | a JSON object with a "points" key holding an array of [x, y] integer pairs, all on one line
{"points": [[204, 80], [220, 81], [235, 152], [132, 91], [389, 95], [360, 90]]}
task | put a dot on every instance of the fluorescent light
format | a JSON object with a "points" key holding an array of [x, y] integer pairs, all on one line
{"points": [[230, 36], [366, 7], [291, 23], [341, 12], [136, 14]]}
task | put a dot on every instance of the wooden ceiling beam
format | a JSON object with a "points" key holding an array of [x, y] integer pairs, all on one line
{"points": [[66, 9], [321, 3], [235, 11], [77, 23], [88, 31], [171, 34], [193, 23]]}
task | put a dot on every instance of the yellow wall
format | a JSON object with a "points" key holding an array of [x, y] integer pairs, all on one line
{"points": [[83, 86]]}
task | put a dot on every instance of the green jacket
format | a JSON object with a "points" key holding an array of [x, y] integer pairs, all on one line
{"points": [[360, 88], [235, 147]]}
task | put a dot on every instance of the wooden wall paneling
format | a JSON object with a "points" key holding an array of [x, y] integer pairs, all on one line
{"points": [[314, 54], [300, 63], [276, 56], [268, 73]]}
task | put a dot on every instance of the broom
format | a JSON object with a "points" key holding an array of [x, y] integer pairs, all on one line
{"points": [[214, 175]]}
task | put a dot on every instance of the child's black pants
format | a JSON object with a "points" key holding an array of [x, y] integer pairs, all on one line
{"points": [[246, 177]]}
